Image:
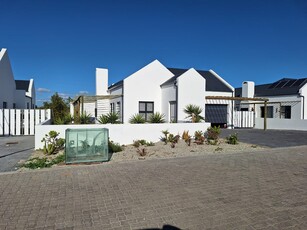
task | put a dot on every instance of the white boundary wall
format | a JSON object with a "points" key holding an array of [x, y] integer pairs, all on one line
{"points": [[286, 124], [123, 133]]}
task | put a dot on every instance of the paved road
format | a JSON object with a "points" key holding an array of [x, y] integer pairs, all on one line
{"points": [[260, 190], [269, 138], [14, 149]]}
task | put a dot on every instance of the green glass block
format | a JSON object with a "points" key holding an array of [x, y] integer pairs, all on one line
{"points": [[86, 145]]}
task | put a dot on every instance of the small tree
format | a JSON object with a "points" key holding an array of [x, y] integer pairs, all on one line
{"points": [[194, 113]]}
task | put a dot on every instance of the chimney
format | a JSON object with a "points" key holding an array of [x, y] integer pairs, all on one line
{"points": [[248, 89], [101, 81]]}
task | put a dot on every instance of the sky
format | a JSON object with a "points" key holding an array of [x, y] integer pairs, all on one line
{"points": [[60, 43]]}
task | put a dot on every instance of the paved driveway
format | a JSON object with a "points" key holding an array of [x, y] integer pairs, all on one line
{"points": [[14, 149], [260, 190], [269, 138]]}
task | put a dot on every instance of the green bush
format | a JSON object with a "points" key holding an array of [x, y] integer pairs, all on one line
{"points": [[213, 134], [232, 139], [138, 143], [110, 118], [137, 119], [114, 147], [36, 162], [53, 143], [157, 118]]}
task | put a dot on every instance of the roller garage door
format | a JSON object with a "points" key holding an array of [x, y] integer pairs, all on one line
{"points": [[216, 114]]}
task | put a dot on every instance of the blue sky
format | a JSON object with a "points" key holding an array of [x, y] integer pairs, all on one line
{"points": [[59, 43]]}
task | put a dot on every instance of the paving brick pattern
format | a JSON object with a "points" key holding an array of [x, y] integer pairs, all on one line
{"points": [[260, 190]]}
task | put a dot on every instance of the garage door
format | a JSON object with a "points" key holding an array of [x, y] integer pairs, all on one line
{"points": [[216, 114]]}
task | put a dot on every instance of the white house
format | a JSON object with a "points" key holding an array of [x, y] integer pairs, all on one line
{"points": [[19, 94], [156, 88], [287, 98]]}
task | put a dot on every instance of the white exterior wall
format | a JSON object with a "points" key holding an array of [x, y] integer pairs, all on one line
{"points": [[123, 133], [144, 85], [229, 103], [89, 108], [191, 88], [20, 99], [303, 92], [103, 107], [293, 101], [168, 94], [117, 91], [7, 82], [284, 124]]}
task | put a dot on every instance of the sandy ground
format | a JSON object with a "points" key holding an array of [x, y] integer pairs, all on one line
{"points": [[162, 150], [181, 149]]}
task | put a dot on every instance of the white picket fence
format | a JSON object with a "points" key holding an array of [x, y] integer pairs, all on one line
{"points": [[243, 119], [21, 121]]}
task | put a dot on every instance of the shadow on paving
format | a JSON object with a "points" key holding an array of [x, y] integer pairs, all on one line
{"points": [[269, 138]]}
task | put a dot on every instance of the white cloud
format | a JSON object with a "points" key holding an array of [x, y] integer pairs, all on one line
{"points": [[83, 92], [43, 90], [64, 95]]}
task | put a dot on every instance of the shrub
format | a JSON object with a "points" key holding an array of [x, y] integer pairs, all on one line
{"points": [[186, 137], [194, 113], [142, 152], [53, 143], [44, 162], [67, 119], [109, 118], [114, 147], [157, 118], [85, 118], [137, 119], [199, 137], [213, 134], [165, 138], [232, 139]]}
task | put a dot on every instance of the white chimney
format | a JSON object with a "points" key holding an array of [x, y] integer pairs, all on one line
{"points": [[101, 81], [248, 89]]}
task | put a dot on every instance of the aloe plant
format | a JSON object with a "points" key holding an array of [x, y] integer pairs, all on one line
{"points": [[110, 118], [137, 119], [157, 118]]}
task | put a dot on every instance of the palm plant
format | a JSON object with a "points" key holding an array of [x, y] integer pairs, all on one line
{"points": [[157, 118], [193, 112], [137, 119]]}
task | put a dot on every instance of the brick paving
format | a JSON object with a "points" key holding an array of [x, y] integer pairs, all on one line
{"points": [[260, 190]]}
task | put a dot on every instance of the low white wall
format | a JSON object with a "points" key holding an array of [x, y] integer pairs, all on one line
{"points": [[287, 124], [124, 133]]}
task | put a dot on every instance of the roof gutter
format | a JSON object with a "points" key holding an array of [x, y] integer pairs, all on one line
{"points": [[302, 96]]}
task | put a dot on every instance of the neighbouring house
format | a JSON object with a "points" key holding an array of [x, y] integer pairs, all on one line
{"points": [[156, 88], [14, 94], [287, 98]]}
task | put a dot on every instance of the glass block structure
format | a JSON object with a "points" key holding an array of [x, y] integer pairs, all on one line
{"points": [[86, 145]]}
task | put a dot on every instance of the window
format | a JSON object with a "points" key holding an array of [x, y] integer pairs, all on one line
{"points": [[14, 105], [146, 109], [112, 107], [172, 107], [28, 105], [118, 111], [285, 112], [4, 105], [269, 111]]}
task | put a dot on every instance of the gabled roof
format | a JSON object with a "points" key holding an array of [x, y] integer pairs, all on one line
{"points": [[22, 85], [212, 82], [284, 86]]}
